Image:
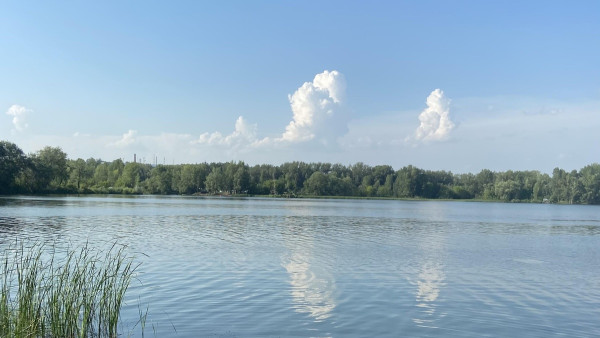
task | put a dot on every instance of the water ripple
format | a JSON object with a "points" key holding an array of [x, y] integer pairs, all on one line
{"points": [[321, 268]]}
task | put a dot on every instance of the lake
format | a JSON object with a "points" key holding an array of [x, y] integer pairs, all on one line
{"points": [[224, 267]]}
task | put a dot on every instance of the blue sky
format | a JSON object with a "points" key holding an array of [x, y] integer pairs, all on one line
{"points": [[334, 81]]}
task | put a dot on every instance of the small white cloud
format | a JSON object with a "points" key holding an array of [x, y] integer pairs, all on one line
{"points": [[312, 105], [80, 135], [243, 135], [435, 119], [19, 114], [127, 139]]}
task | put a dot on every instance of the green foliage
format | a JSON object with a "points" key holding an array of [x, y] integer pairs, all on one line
{"points": [[192, 178], [589, 189], [241, 179], [317, 184], [214, 180], [50, 168], [76, 294], [133, 175], [160, 179], [49, 171], [12, 163]]}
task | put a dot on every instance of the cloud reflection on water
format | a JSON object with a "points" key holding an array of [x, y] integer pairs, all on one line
{"points": [[311, 293], [312, 286], [431, 277], [429, 284]]}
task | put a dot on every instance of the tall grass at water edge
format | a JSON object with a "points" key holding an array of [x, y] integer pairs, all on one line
{"points": [[72, 293]]}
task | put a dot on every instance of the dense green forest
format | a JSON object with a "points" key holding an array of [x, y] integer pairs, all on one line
{"points": [[50, 171]]}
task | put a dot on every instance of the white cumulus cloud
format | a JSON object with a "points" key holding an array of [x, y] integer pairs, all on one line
{"points": [[313, 104], [435, 119], [127, 139], [19, 114], [243, 135], [314, 107]]}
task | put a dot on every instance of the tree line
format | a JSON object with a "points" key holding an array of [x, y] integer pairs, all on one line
{"points": [[50, 171]]}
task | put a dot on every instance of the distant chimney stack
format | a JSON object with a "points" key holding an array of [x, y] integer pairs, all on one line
{"points": [[134, 158]]}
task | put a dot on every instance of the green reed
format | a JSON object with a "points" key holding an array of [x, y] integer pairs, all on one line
{"points": [[77, 293]]}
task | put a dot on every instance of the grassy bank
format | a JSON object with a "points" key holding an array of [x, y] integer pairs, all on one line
{"points": [[76, 293]]}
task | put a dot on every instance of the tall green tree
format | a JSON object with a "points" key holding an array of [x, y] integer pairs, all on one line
{"points": [[160, 181], [590, 180], [12, 163], [214, 180], [115, 171], [133, 175], [559, 186], [100, 178], [192, 178], [77, 173], [241, 179], [50, 167], [409, 182], [317, 184]]}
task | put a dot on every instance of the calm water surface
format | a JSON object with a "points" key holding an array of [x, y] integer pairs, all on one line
{"points": [[277, 268]]}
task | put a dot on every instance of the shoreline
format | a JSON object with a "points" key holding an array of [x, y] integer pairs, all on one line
{"points": [[291, 196]]}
